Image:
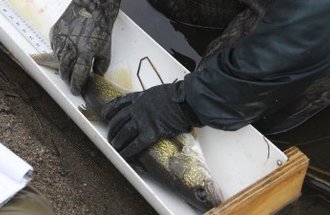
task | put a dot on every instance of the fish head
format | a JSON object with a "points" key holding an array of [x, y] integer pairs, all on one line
{"points": [[195, 182]]}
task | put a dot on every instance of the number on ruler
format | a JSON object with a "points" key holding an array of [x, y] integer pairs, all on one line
{"points": [[23, 27]]}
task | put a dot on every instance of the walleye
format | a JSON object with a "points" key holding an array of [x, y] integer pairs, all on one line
{"points": [[177, 162]]}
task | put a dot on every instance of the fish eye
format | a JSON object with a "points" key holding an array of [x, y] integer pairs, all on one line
{"points": [[201, 194]]}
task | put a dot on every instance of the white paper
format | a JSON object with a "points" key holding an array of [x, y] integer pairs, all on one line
{"points": [[15, 173]]}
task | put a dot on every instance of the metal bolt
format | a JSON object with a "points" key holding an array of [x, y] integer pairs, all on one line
{"points": [[279, 163]]}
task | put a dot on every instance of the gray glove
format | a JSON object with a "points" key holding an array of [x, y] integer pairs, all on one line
{"points": [[81, 40]]}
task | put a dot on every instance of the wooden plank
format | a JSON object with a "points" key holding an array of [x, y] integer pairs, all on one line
{"points": [[271, 193]]}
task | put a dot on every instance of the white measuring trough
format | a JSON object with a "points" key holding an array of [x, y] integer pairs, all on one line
{"points": [[237, 159]]}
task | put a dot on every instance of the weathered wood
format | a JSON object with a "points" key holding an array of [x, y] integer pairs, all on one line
{"points": [[272, 192]]}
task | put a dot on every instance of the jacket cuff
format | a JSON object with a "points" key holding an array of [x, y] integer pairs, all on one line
{"points": [[188, 113]]}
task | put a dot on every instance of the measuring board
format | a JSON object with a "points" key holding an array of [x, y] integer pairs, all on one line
{"points": [[236, 159], [30, 34]]}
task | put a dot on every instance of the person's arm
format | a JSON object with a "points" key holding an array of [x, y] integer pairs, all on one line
{"points": [[265, 71], [234, 86], [81, 40]]}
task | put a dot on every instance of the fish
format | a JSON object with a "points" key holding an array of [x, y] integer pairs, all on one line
{"points": [[177, 162]]}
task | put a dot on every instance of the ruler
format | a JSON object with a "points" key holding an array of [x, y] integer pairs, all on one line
{"points": [[26, 29]]}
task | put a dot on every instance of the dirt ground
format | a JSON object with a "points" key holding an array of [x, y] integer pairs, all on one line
{"points": [[69, 170]]}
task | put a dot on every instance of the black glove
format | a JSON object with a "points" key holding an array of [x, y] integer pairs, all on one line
{"points": [[81, 35], [140, 119]]}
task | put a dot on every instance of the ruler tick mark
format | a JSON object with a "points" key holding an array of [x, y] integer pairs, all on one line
{"points": [[22, 26]]}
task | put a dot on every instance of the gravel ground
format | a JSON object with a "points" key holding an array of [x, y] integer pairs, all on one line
{"points": [[69, 170]]}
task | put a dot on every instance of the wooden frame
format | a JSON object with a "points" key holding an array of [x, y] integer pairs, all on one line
{"points": [[271, 193]]}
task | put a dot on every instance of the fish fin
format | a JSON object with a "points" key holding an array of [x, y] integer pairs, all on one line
{"points": [[46, 59], [194, 132], [89, 113]]}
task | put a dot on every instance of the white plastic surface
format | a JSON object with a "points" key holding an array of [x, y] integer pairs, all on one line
{"points": [[237, 159]]}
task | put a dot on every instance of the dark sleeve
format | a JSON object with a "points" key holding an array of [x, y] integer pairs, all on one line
{"points": [[263, 72]]}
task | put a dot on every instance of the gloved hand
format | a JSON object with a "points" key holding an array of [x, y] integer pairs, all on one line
{"points": [[81, 40], [140, 119]]}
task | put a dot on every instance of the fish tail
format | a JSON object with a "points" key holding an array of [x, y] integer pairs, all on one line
{"points": [[46, 59]]}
